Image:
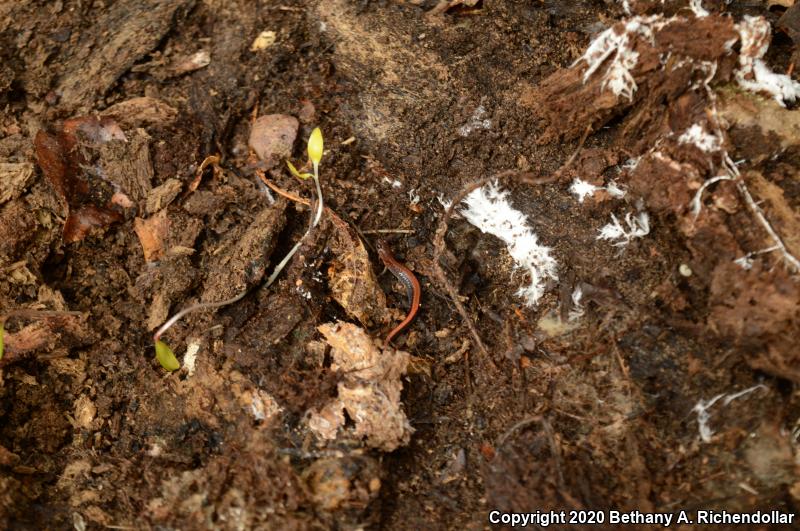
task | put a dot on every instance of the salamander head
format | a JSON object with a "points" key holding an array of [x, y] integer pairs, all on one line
{"points": [[383, 249]]}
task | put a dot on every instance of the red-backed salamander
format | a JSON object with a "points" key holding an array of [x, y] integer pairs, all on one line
{"points": [[404, 275]]}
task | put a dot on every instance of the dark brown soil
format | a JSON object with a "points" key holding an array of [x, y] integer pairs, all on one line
{"points": [[109, 108]]}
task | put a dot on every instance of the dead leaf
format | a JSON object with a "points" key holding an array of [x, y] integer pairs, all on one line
{"points": [[152, 233], [351, 278], [369, 390], [60, 164], [273, 135], [80, 222], [63, 159]]}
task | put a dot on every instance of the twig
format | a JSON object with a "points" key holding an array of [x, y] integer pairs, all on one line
{"points": [[281, 191], [389, 231]]}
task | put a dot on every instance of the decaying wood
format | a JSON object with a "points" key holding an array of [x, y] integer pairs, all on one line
{"points": [[107, 50]]}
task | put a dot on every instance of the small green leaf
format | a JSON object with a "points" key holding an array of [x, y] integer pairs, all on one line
{"points": [[2, 333], [165, 357], [315, 146], [296, 173]]}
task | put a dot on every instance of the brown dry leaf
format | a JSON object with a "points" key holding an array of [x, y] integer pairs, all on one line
{"points": [[152, 233], [81, 221], [59, 164], [369, 390], [273, 135], [351, 278], [121, 164], [14, 178]]}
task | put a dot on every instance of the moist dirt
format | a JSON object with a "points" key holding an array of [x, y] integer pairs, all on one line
{"points": [[135, 139]]}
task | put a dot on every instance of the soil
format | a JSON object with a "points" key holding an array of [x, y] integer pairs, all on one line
{"points": [[671, 384]]}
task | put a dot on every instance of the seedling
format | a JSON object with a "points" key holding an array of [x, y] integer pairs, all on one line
{"points": [[164, 354], [314, 155]]}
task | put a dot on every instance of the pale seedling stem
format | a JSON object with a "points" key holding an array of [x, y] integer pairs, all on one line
{"points": [[199, 306], [315, 217]]}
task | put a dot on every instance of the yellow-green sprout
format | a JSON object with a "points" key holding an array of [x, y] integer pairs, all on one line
{"points": [[166, 357], [296, 173], [315, 145]]}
